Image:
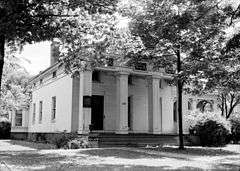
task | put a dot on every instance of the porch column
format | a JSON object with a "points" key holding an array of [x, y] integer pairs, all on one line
{"points": [[155, 113], [85, 89], [122, 103]]}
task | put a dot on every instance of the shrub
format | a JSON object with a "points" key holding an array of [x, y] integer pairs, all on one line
{"points": [[79, 143], [61, 140], [235, 129], [5, 128], [212, 128]]}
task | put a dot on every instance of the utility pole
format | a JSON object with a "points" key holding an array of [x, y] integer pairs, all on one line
{"points": [[179, 92]]}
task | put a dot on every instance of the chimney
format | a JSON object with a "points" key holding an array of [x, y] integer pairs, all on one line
{"points": [[54, 51]]}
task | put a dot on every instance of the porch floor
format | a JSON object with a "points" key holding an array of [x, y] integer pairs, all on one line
{"points": [[132, 139]]}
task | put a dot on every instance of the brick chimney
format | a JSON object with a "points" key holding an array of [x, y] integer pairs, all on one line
{"points": [[54, 51]]}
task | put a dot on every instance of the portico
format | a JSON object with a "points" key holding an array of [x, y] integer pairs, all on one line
{"points": [[144, 114]]}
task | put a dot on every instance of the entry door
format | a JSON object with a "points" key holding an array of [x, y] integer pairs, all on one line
{"points": [[130, 112], [97, 112]]}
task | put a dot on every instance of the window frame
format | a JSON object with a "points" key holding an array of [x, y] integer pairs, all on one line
{"points": [[34, 113], [40, 111], [98, 80], [54, 108], [17, 117], [54, 74]]}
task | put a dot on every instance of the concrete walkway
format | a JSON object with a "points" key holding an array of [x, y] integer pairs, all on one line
{"points": [[20, 157]]}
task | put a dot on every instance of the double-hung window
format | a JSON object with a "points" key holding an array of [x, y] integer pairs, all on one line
{"points": [[53, 108], [40, 111]]}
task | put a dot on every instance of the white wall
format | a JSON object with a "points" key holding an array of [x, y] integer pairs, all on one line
{"points": [[168, 95], [139, 92], [61, 87]]}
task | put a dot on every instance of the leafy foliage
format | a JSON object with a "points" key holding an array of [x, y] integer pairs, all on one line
{"points": [[195, 26], [212, 133], [61, 139], [15, 90], [235, 129], [5, 128], [212, 128], [29, 21], [92, 39]]}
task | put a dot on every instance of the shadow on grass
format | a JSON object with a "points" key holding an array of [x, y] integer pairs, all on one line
{"points": [[29, 158], [101, 167], [38, 146], [118, 153], [196, 151]]}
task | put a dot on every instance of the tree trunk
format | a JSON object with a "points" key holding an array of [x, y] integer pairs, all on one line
{"points": [[180, 88], [2, 42], [222, 108]]}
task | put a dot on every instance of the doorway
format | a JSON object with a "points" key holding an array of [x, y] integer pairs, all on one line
{"points": [[97, 112], [130, 118]]}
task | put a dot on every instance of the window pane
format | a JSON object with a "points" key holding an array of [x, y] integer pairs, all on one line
{"points": [[53, 107], [18, 118], [40, 111], [34, 113]]}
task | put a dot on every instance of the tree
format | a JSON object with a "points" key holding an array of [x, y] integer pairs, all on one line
{"points": [[194, 26], [29, 21], [15, 90], [223, 78], [91, 40]]}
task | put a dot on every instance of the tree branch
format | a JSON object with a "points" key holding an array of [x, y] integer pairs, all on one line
{"points": [[234, 15]]}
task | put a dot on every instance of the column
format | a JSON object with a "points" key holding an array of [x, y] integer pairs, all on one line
{"points": [[155, 113], [85, 89], [122, 103]]}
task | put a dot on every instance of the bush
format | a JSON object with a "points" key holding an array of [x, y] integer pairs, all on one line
{"points": [[5, 128], [212, 128], [235, 129], [79, 143], [61, 140]]}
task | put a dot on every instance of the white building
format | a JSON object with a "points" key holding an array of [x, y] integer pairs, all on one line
{"points": [[112, 99]]}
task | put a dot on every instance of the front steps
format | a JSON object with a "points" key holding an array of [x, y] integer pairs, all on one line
{"points": [[139, 140]]}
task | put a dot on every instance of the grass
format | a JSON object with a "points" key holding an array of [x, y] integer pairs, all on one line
{"points": [[195, 151], [35, 145]]}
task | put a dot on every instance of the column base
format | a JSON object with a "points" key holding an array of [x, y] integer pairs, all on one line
{"points": [[121, 132], [83, 131], [157, 132]]}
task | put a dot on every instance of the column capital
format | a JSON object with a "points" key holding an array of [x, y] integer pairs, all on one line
{"points": [[119, 73]]}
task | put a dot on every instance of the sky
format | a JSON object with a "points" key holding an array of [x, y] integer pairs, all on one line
{"points": [[36, 57]]}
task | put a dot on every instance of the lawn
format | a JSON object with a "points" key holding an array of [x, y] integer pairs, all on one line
{"points": [[20, 155]]}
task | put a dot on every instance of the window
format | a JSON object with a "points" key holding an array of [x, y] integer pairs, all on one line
{"points": [[40, 111], [34, 113], [110, 62], [160, 105], [130, 80], [54, 108], [96, 76], [141, 66], [130, 114], [175, 111], [54, 74], [205, 105], [160, 84], [18, 118], [190, 101]]}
